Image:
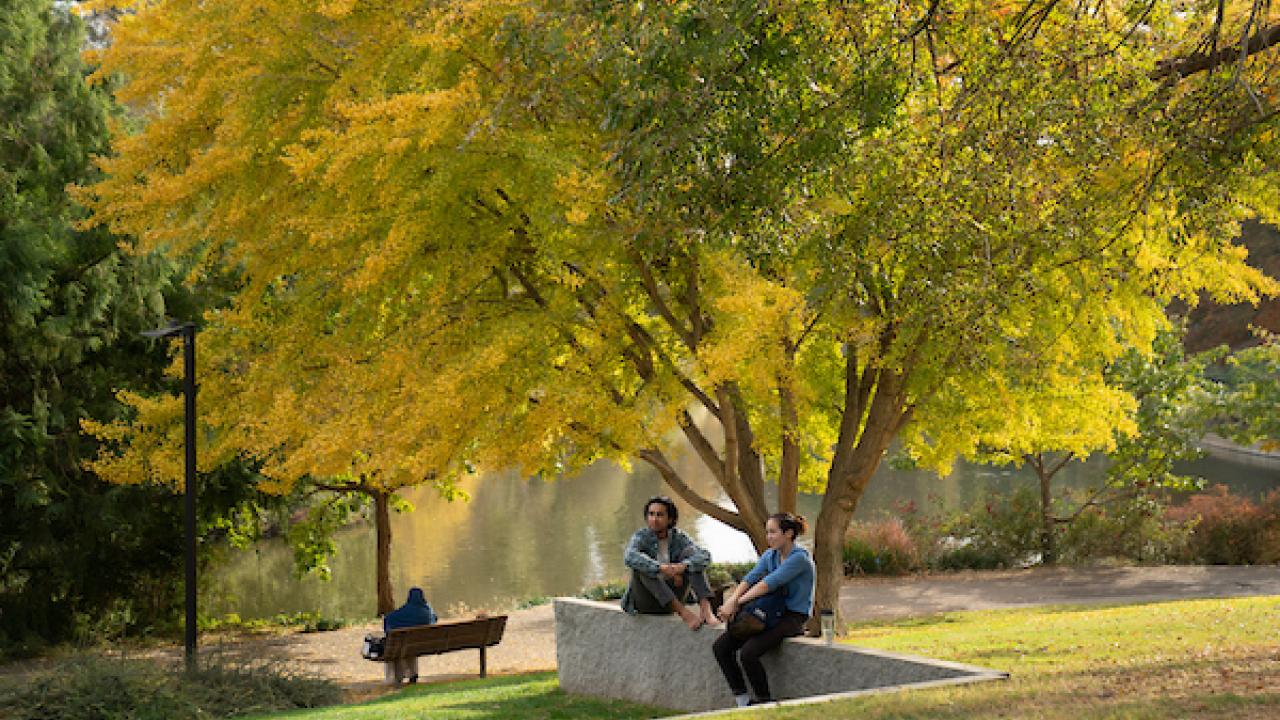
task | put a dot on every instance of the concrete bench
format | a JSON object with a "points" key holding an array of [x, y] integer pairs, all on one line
{"points": [[441, 638], [654, 659]]}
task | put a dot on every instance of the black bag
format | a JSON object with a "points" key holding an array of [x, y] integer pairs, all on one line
{"points": [[761, 614], [373, 647]]}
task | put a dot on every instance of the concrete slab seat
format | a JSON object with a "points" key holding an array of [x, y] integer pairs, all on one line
{"points": [[654, 659], [441, 638]]}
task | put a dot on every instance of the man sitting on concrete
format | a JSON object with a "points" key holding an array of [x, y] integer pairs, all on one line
{"points": [[414, 613], [665, 565]]}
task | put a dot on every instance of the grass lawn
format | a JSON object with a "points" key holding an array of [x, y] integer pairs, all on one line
{"points": [[533, 696], [1202, 658]]}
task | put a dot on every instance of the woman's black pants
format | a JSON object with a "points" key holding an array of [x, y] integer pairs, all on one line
{"points": [[749, 652]]}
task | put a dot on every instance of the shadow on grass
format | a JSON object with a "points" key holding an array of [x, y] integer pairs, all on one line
{"points": [[504, 697]]}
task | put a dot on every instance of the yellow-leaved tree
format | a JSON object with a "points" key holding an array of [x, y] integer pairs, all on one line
{"points": [[537, 234]]}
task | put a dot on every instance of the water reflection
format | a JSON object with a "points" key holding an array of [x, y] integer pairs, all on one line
{"points": [[520, 538]]}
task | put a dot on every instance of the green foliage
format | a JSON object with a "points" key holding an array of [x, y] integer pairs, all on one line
{"points": [[600, 592], [71, 305], [79, 559], [1002, 532], [97, 688], [1249, 406], [719, 574], [879, 547], [1174, 403], [535, 602], [311, 537], [303, 620], [993, 532], [1133, 529]]}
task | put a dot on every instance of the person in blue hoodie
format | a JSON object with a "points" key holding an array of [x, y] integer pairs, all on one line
{"points": [[414, 613], [784, 567]]}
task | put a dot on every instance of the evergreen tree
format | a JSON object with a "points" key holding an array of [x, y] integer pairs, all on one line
{"points": [[75, 552]]}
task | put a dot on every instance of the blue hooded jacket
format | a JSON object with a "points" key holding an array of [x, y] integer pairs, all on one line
{"points": [[415, 612]]}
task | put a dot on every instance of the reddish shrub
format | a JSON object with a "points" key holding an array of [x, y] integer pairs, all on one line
{"points": [[1230, 530], [883, 546]]}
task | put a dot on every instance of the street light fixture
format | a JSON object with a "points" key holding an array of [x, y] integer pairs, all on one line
{"points": [[188, 333]]}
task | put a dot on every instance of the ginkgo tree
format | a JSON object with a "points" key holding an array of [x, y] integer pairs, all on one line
{"points": [[492, 234]]}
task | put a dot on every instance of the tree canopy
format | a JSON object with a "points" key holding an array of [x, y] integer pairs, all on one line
{"points": [[485, 233]]}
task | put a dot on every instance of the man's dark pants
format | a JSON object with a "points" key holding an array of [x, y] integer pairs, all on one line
{"points": [[653, 595]]}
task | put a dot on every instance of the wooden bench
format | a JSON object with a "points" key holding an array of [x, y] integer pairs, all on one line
{"points": [[445, 637]]}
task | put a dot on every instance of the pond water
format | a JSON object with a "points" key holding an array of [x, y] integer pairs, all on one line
{"points": [[517, 539]]}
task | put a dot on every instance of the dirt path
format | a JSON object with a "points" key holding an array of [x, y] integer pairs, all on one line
{"points": [[528, 644]]}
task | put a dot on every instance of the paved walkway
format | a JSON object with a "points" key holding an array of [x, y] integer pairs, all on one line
{"points": [[898, 597]]}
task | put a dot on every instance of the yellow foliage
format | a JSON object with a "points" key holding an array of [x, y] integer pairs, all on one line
{"points": [[446, 265]]}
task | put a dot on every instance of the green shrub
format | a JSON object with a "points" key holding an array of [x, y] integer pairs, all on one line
{"points": [[721, 574], [969, 557], [304, 621], [995, 532], [880, 547], [1135, 529], [96, 688], [612, 590]]}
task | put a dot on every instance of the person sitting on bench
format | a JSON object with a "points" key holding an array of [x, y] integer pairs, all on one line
{"points": [[414, 613], [665, 565]]}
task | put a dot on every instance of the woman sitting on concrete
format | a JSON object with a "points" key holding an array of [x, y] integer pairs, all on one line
{"points": [[785, 567], [414, 613]]}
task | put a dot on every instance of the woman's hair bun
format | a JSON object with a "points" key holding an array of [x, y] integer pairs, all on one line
{"points": [[791, 521]]}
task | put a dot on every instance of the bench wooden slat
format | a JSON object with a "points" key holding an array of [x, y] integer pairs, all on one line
{"points": [[445, 637]]}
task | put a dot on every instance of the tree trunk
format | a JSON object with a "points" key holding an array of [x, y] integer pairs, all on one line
{"points": [[1048, 547], [382, 520], [1045, 473], [851, 469], [828, 555]]}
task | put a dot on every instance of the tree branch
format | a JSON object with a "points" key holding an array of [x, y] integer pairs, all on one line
{"points": [[697, 324], [789, 471], [1178, 68], [659, 461], [923, 23], [704, 448], [729, 421], [659, 303]]}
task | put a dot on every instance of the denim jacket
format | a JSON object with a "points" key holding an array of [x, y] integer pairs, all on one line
{"points": [[642, 553]]}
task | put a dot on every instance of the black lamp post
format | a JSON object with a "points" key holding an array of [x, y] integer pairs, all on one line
{"points": [[188, 333]]}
